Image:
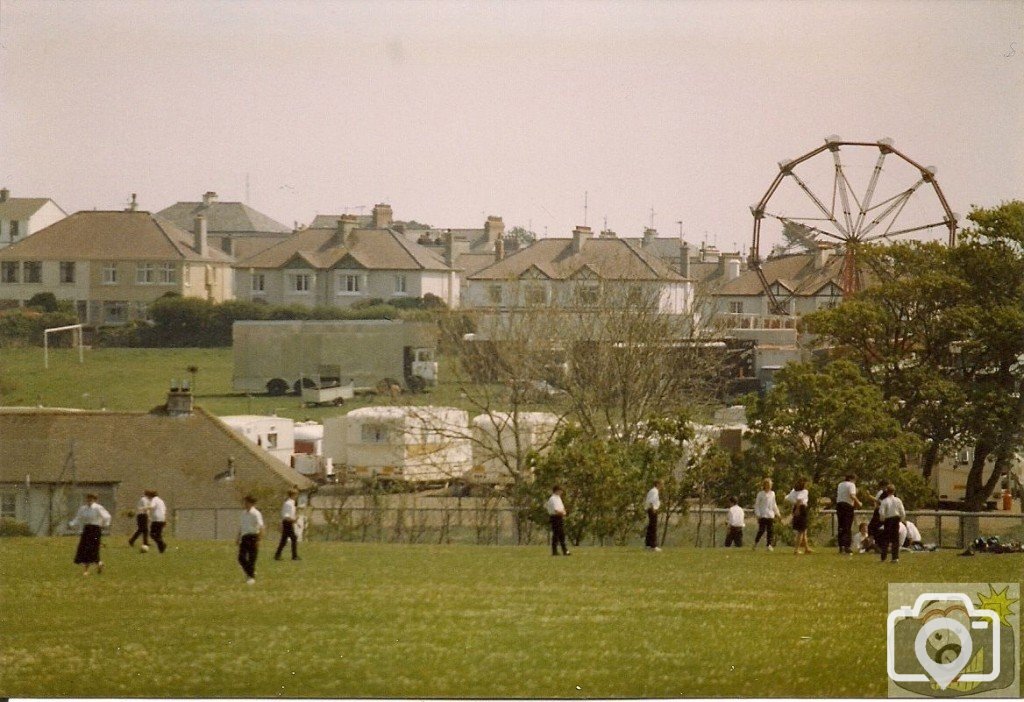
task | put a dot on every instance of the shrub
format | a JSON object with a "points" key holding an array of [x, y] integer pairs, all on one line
{"points": [[44, 301], [12, 527]]}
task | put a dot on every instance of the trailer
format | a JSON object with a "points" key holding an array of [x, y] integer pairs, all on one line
{"points": [[281, 356], [500, 436]]}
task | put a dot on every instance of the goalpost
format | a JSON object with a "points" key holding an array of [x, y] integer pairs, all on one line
{"points": [[76, 330]]}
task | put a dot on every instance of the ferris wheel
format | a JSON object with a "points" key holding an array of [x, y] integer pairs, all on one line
{"points": [[821, 203]]}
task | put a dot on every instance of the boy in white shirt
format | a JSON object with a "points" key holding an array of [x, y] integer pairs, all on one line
{"points": [[250, 529], [289, 516], [141, 522], [556, 513], [892, 514], [652, 503], [766, 509], [735, 519]]}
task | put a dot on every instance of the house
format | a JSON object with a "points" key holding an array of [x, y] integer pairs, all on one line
{"points": [[23, 216], [472, 249], [346, 264], [275, 435], [49, 458], [572, 272], [232, 227], [113, 264]]}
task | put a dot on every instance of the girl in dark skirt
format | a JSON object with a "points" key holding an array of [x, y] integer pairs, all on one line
{"points": [[92, 517], [799, 498]]}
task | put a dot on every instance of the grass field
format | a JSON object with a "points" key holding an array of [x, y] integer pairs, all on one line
{"points": [[375, 620], [138, 379]]}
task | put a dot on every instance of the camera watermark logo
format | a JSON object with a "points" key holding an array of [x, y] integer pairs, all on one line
{"points": [[953, 640]]}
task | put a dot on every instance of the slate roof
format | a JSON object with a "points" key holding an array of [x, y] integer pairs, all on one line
{"points": [[372, 249], [223, 218], [177, 456], [609, 259], [795, 272], [116, 235], [18, 208]]}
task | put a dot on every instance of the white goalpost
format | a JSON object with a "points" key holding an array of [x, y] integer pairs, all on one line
{"points": [[76, 330]]}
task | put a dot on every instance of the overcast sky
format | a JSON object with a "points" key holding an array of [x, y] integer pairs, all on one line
{"points": [[455, 111]]}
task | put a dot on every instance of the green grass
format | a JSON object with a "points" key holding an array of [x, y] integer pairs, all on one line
{"points": [[453, 621], [138, 379]]}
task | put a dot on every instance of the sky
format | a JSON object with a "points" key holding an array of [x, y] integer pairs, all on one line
{"points": [[663, 112]]}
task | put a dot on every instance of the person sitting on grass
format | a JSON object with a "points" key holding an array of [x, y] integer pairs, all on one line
{"points": [[913, 538], [735, 519], [862, 540], [799, 497]]}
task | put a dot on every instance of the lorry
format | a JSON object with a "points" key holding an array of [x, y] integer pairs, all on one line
{"points": [[281, 356]]}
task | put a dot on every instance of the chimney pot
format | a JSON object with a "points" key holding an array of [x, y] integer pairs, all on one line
{"points": [[494, 228], [382, 216], [209, 197], [579, 235], [684, 260], [650, 234], [134, 204], [5, 195]]}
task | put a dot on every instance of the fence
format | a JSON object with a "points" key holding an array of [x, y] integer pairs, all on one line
{"points": [[445, 520]]}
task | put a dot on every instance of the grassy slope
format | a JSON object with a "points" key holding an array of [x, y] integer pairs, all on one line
{"points": [[386, 620], [138, 379]]}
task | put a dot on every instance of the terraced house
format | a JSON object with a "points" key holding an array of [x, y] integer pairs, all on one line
{"points": [[347, 263], [23, 216], [113, 264]]}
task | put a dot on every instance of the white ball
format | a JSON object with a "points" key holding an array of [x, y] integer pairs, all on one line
{"points": [[144, 548]]}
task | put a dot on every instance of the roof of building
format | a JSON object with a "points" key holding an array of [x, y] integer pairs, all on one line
{"points": [[118, 235], [330, 221], [17, 208], [608, 259], [223, 218], [179, 457], [798, 273], [373, 249]]}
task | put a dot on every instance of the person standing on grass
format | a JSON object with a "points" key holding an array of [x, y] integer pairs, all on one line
{"points": [[288, 518], [846, 503], [250, 530], [735, 518], [141, 521], [556, 512], [892, 514], [92, 517], [766, 509], [800, 499], [158, 515], [652, 503]]}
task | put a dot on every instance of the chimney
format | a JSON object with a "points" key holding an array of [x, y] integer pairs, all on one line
{"points": [[607, 234], [134, 204], [200, 242], [179, 399], [499, 250], [732, 267], [579, 235], [494, 228], [449, 248], [684, 259], [650, 234], [819, 258], [381, 216], [5, 195], [209, 197], [346, 223]]}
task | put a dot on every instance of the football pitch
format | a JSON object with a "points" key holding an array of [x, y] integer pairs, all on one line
{"points": [[381, 620]]}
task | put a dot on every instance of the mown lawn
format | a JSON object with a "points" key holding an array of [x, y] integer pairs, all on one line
{"points": [[138, 379], [355, 620]]}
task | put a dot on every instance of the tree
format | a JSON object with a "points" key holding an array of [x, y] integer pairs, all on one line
{"points": [[825, 422]]}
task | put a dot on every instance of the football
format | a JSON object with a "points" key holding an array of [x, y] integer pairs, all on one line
{"points": [[144, 548]]}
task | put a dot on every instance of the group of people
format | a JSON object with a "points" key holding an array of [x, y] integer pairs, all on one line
{"points": [[888, 531], [151, 518]]}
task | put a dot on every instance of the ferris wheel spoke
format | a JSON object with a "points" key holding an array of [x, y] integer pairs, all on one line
{"points": [[840, 184], [908, 230], [829, 215], [870, 192], [896, 202]]}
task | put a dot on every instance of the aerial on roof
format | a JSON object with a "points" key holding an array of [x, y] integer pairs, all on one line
{"points": [[115, 235], [223, 218], [610, 259], [372, 249]]}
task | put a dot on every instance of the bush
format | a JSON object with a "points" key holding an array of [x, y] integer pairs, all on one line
{"points": [[24, 326], [44, 302], [131, 335], [12, 527]]}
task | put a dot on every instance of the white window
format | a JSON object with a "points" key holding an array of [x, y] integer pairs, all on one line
{"points": [[536, 294], [400, 284], [9, 272], [494, 294], [301, 282], [145, 273], [67, 271], [15, 229], [736, 308], [32, 271], [258, 282], [374, 434], [115, 312], [109, 273], [271, 441], [351, 283], [586, 294], [8, 505], [167, 273]]}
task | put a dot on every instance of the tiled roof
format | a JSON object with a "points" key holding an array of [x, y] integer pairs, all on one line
{"points": [[223, 217], [373, 249], [110, 236], [329, 221], [22, 207], [609, 259], [796, 272], [177, 456]]}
